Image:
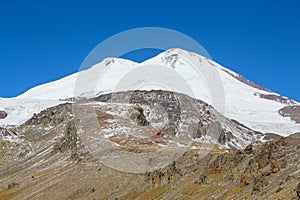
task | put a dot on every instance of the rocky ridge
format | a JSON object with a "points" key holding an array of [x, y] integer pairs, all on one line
{"points": [[49, 160]]}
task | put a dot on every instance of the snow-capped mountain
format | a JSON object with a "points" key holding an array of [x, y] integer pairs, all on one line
{"points": [[234, 96]]}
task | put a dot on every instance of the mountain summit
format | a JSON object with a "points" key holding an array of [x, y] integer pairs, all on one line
{"points": [[241, 100], [176, 126]]}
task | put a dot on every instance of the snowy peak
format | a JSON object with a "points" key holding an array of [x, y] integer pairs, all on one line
{"points": [[64, 88], [228, 92]]}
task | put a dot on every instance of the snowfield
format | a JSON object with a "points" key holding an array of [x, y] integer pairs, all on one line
{"points": [[20, 110], [204, 79]]}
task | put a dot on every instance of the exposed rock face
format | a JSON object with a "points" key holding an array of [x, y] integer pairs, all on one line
{"points": [[277, 98], [271, 136], [215, 130], [8, 131], [257, 167], [168, 101], [51, 116], [291, 111], [247, 82], [137, 115], [201, 131], [249, 149], [225, 137], [254, 169], [204, 123], [3, 114], [163, 176], [68, 142]]}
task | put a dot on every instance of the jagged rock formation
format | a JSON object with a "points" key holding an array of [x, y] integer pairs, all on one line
{"points": [[257, 172], [68, 142], [164, 176]]}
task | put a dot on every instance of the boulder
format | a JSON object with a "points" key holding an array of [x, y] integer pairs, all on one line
{"points": [[3, 114]]}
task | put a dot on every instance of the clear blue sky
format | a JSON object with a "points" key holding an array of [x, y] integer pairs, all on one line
{"points": [[41, 41]]}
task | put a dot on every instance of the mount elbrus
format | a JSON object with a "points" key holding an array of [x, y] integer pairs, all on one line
{"points": [[247, 148]]}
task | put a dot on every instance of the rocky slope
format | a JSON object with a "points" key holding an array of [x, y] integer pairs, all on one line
{"points": [[203, 122], [48, 157]]}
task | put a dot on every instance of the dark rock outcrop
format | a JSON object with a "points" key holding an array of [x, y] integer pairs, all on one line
{"points": [[69, 142], [51, 116], [291, 111], [216, 131], [246, 81], [200, 119], [249, 149], [201, 130], [3, 114], [276, 98], [137, 115], [8, 131], [271, 136], [162, 176], [225, 137]]}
